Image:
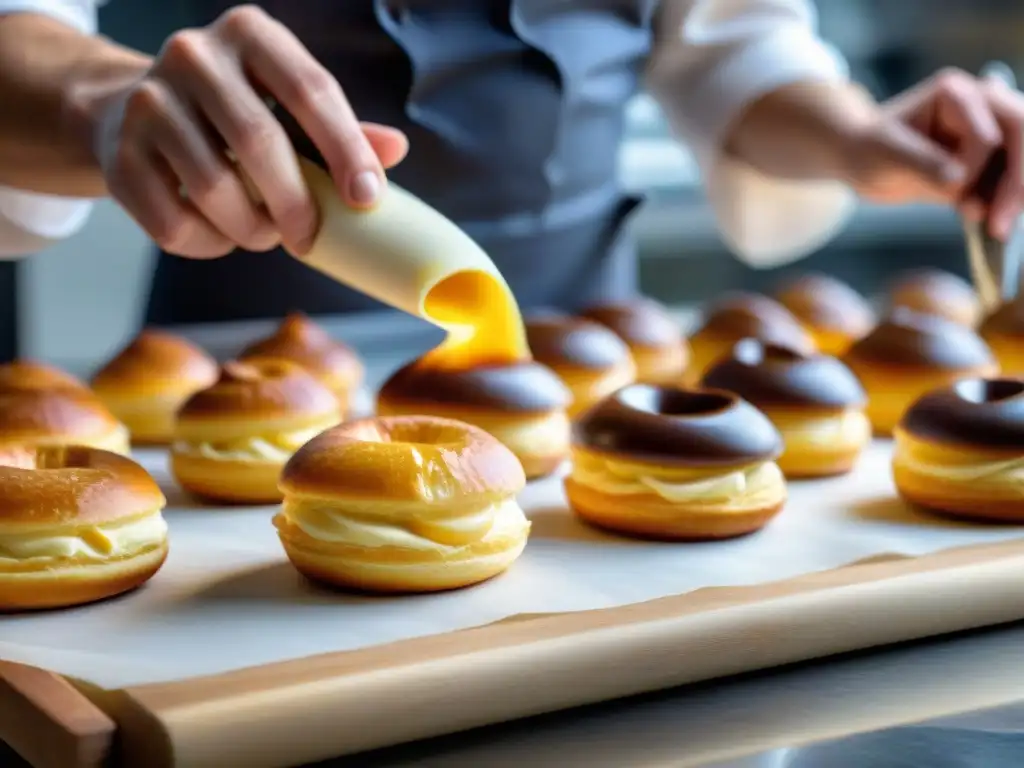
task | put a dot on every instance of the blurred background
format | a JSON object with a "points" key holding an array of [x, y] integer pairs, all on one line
{"points": [[76, 303]]}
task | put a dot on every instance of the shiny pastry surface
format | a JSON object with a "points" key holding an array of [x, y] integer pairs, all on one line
{"points": [[1003, 331], [589, 358], [232, 438], [59, 416], [402, 504], [831, 311], [657, 343], [670, 463], [30, 374], [936, 292], [148, 380], [960, 450], [77, 524]]}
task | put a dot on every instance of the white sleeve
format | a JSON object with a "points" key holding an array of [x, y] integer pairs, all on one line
{"points": [[45, 217], [711, 59]]}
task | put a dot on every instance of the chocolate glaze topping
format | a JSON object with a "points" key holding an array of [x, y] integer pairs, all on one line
{"points": [[980, 413], [823, 301], [571, 341], [930, 290], [739, 315], [527, 387], [641, 323], [913, 339], [770, 374], [673, 426]]}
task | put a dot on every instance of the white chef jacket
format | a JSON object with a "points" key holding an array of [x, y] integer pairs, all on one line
{"points": [[710, 59]]}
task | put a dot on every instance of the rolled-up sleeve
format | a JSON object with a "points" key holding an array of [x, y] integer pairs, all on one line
{"points": [[46, 217], [712, 59]]}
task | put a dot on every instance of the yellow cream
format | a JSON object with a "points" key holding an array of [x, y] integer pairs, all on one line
{"points": [[332, 523], [278, 447], [1004, 472], [746, 485], [840, 431], [95, 543]]}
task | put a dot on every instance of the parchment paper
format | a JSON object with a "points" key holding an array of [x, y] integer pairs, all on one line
{"points": [[227, 597]]}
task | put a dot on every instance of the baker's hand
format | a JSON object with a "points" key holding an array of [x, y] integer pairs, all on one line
{"points": [[163, 141], [934, 142]]}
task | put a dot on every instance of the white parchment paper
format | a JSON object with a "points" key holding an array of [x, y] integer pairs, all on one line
{"points": [[227, 598]]}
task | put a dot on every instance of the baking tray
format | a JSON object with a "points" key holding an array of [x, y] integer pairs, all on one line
{"points": [[228, 658]]}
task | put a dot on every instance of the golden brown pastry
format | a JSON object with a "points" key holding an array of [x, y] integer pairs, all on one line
{"points": [[936, 292], [830, 310], [522, 404], [655, 339], [909, 354], [589, 358], [77, 524], [232, 439], [741, 315], [1003, 331], [960, 450], [29, 374], [59, 416], [669, 463], [302, 341], [402, 504], [814, 401], [148, 380]]}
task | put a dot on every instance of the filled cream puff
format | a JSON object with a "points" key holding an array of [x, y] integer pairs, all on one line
{"points": [[960, 450], [232, 439], [654, 338], [402, 504], [830, 310], [148, 380], [814, 401], [936, 292], [741, 315], [1003, 331], [69, 415], [522, 404], [910, 353], [29, 374], [77, 524], [676, 464], [302, 341], [589, 358]]}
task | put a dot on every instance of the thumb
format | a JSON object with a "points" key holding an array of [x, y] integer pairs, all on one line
{"points": [[898, 163], [390, 144]]}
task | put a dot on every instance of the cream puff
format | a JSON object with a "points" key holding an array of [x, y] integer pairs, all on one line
{"points": [[29, 374], [910, 353], [960, 450], [936, 292], [654, 338], [1003, 331], [59, 416], [77, 525], [522, 404], [402, 504], [589, 358], [741, 315], [232, 439], [302, 341], [814, 401], [149, 379], [676, 464], [830, 310]]}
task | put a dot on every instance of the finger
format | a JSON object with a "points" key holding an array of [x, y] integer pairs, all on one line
{"points": [[390, 144], [147, 189], [282, 65], [911, 164], [1008, 200], [208, 179], [964, 115]]}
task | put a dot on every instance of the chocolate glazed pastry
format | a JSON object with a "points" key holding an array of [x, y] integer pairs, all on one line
{"points": [[830, 310], [655, 339], [960, 450], [1003, 331], [909, 354], [523, 405], [589, 358], [814, 401], [676, 464], [935, 292], [739, 315]]}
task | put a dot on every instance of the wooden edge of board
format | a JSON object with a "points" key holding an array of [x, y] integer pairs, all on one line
{"points": [[49, 722]]}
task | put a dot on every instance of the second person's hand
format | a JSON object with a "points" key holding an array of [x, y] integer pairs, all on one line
{"points": [[180, 147]]}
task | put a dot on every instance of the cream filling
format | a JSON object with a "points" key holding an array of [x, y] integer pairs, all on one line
{"points": [[330, 524], [843, 430], [547, 434], [1008, 472], [748, 485], [95, 543], [277, 448]]}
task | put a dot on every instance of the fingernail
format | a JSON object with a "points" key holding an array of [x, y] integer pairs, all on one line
{"points": [[953, 174], [364, 188]]}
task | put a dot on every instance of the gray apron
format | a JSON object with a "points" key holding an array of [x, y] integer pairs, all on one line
{"points": [[515, 113]]}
